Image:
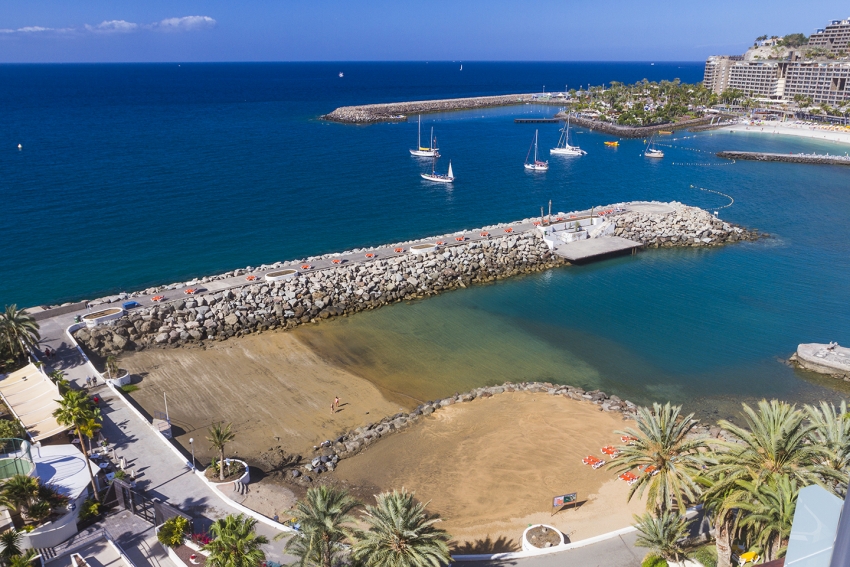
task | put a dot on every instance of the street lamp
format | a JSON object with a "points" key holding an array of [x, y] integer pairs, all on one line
{"points": [[192, 444]]}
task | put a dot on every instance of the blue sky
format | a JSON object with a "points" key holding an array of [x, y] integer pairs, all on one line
{"points": [[325, 30]]}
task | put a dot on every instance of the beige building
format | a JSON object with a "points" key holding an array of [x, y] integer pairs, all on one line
{"points": [[835, 37]]}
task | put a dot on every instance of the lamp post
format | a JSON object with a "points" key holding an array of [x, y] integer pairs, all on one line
{"points": [[192, 444]]}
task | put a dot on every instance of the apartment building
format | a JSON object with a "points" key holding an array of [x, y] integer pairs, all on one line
{"points": [[835, 37]]}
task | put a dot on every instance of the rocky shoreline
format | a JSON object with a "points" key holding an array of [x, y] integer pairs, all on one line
{"points": [[399, 111], [358, 285], [632, 131], [786, 158]]}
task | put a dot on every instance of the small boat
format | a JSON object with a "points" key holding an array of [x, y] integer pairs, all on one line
{"points": [[665, 132], [564, 148], [431, 150], [651, 151], [612, 144], [535, 165], [437, 177], [461, 66]]}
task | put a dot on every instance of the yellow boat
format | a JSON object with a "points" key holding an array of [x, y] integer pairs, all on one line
{"points": [[665, 132], [612, 144]]}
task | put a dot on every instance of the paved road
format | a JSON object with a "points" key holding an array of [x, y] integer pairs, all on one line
{"points": [[616, 552]]}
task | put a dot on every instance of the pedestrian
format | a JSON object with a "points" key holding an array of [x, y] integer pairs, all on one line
{"points": [[336, 402]]}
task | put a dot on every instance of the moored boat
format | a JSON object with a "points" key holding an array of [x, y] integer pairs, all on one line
{"points": [[613, 144], [651, 151], [431, 150], [449, 177], [535, 165], [564, 148]]}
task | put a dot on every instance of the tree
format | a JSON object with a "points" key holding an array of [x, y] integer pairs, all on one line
{"points": [[660, 441], [77, 410], [831, 430], [401, 534], [770, 512], [19, 492], [220, 436], [776, 442], [235, 543], [18, 330], [324, 516], [662, 534], [10, 540]]}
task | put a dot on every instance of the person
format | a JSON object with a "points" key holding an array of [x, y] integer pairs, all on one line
{"points": [[47, 352], [336, 402]]}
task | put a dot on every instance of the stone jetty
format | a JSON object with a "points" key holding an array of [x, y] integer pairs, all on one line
{"points": [[399, 111], [829, 359], [787, 158], [632, 131], [359, 282]]}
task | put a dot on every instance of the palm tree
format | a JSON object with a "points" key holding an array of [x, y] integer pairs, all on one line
{"points": [[325, 522], [235, 543], [10, 540], [662, 534], [720, 499], [401, 534], [776, 442], [19, 330], [19, 492], [77, 410], [770, 512], [660, 441], [832, 431], [220, 435], [24, 560]]}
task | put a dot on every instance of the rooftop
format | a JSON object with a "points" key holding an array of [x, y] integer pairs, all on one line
{"points": [[101, 552]]}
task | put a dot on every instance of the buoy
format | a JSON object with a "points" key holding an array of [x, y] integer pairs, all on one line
{"points": [[20, 147]]}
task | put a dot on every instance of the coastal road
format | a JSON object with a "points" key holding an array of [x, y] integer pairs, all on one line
{"points": [[619, 551]]}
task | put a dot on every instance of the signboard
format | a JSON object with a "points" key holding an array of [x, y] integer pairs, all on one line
{"points": [[570, 498]]}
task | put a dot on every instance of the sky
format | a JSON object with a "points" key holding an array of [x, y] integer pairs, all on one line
{"points": [[63, 31]]}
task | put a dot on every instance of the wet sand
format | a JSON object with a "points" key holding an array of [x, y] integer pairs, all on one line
{"points": [[492, 466], [274, 390]]}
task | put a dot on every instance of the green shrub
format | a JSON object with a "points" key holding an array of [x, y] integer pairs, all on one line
{"points": [[10, 429], [173, 531], [707, 555], [653, 560], [90, 509], [120, 475], [128, 388]]}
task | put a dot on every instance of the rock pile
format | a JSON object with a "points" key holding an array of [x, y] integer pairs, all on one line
{"points": [[397, 111], [355, 285], [632, 131], [687, 226]]}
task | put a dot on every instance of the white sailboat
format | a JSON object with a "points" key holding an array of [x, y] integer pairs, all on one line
{"points": [[564, 148], [431, 150], [535, 165], [437, 177], [651, 151]]}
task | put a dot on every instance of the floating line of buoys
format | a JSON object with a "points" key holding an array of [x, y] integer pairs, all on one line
{"points": [[731, 200]]}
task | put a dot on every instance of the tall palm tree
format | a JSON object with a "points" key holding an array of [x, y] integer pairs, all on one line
{"points": [[235, 543], [77, 410], [662, 534], [324, 516], [776, 442], [720, 499], [769, 513], [660, 441], [19, 330], [401, 534], [220, 436], [832, 430]]}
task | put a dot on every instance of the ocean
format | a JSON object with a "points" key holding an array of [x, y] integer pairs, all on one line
{"points": [[135, 175]]}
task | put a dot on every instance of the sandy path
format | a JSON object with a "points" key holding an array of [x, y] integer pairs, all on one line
{"points": [[492, 466], [274, 390]]}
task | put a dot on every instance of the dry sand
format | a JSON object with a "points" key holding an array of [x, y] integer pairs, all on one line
{"points": [[274, 390], [492, 466]]}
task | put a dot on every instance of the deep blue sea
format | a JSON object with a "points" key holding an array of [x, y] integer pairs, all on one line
{"points": [[134, 175]]}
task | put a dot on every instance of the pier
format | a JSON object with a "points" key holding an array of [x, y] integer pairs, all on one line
{"points": [[815, 159], [536, 120], [399, 111], [596, 249]]}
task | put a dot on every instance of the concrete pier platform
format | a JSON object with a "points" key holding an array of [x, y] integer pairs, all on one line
{"points": [[824, 358], [596, 248]]}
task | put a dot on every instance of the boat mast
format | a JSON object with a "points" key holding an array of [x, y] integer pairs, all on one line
{"points": [[535, 146], [432, 139], [419, 134]]}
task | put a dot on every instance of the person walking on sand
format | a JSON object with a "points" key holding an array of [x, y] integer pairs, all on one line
{"points": [[336, 402]]}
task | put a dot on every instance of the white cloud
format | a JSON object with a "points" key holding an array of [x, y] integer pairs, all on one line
{"points": [[113, 26], [185, 23]]}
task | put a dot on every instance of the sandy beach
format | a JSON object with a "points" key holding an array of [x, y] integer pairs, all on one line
{"points": [[491, 467], [275, 391], [823, 133]]}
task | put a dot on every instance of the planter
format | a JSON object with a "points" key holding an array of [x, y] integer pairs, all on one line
{"points": [[244, 479], [281, 275], [100, 317], [423, 248], [121, 379], [541, 536]]}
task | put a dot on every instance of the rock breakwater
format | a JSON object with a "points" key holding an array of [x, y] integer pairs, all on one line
{"points": [[399, 111], [355, 286], [632, 131], [787, 158]]}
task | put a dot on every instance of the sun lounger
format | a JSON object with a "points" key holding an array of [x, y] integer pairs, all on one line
{"points": [[598, 464], [651, 470], [628, 440]]}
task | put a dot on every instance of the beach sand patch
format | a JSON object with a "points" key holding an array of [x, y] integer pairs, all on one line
{"points": [[492, 466], [274, 390]]}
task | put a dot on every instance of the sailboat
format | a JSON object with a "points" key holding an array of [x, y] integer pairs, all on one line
{"points": [[438, 177], [651, 151], [535, 165], [431, 150], [564, 148]]}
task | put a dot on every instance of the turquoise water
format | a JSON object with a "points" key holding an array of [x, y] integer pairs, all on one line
{"points": [[137, 175]]}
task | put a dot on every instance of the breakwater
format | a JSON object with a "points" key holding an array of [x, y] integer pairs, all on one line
{"points": [[787, 158], [399, 111], [357, 281], [632, 131]]}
